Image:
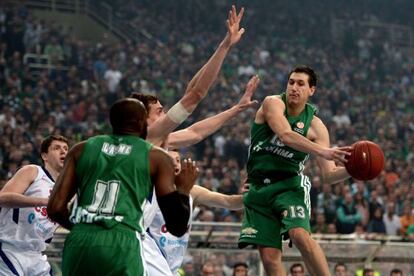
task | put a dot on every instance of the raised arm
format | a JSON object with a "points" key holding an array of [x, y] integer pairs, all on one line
{"points": [[65, 188], [12, 194], [203, 196], [330, 172], [200, 84], [273, 110], [200, 130]]}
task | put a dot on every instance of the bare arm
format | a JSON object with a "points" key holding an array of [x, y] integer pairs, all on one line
{"points": [[65, 188], [273, 112], [200, 84], [200, 130], [203, 196], [330, 172], [12, 194]]}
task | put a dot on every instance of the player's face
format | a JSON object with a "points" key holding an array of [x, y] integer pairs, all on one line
{"points": [[177, 161], [155, 112], [240, 271], [298, 89], [56, 154], [340, 271]]}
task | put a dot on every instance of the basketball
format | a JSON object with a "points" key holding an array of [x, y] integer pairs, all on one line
{"points": [[366, 160]]}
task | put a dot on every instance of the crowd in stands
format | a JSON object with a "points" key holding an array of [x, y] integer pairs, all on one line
{"points": [[366, 91]]}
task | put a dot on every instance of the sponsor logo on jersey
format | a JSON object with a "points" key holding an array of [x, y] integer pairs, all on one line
{"points": [[30, 218], [248, 232]]}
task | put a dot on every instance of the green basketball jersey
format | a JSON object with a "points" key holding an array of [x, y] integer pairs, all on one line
{"points": [[269, 158], [113, 181]]}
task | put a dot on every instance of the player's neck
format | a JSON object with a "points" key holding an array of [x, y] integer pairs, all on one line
{"points": [[53, 172], [295, 109]]}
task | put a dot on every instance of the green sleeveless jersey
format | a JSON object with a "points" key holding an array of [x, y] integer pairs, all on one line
{"points": [[271, 160], [114, 180]]}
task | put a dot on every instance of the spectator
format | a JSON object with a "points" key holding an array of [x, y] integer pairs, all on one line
{"points": [[297, 269], [396, 272], [376, 224], [240, 269], [348, 216], [391, 220], [407, 218], [207, 269], [340, 269]]}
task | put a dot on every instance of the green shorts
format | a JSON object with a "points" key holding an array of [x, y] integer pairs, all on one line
{"points": [[93, 250], [271, 210]]}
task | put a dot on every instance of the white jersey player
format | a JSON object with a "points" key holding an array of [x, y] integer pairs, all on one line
{"points": [[25, 229], [163, 252]]}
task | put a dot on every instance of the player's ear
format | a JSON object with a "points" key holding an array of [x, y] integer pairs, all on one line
{"points": [[313, 89]]}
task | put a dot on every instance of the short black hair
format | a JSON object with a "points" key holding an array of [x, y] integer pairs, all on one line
{"points": [[313, 77], [44, 146], [240, 264], [340, 264], [128, 114], [146, 99], [396, 270], [297, 265]]}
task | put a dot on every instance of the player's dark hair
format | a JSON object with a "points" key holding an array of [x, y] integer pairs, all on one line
{"points": [[396, 270], [313, 78], [145, 99], [128, 116], [44, 146], [341, 264]]}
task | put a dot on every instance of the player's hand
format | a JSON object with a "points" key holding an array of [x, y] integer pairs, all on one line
{"points": [[234, 33], [246, 99], [339, 155], [187, 177]]}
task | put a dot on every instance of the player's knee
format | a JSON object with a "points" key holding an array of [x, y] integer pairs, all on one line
{"points": [[301, 238], [271, 258]]}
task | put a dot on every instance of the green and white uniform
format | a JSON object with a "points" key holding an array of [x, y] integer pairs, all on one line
{"points": [[278, 198], [113, 183]]}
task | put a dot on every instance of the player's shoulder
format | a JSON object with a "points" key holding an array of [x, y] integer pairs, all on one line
{"points": [[317, 123], [29, 169]]}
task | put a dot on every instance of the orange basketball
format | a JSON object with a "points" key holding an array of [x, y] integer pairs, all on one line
{"points": [[366, 160]]}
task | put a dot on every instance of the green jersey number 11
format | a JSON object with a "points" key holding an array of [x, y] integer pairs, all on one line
{"points": [[105, 197]]}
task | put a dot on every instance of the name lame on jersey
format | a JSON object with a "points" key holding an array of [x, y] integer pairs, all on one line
{"points": [[113, 150]]}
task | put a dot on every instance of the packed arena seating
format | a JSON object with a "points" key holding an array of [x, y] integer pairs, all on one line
{"points": [[366, 89]]}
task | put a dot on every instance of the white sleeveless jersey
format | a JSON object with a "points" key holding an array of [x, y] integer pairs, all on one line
{"points": [[172, 248], [29, 228], [150, 209]]}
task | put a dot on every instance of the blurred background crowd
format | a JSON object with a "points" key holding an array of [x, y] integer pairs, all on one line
{"points": [[361, 51]]}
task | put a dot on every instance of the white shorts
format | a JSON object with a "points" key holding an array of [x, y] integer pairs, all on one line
{"points": [[13, 261], [156, 264]]}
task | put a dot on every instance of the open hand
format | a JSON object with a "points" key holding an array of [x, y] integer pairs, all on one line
{"points": [[246, 99], [234, 33], [187, 177]]}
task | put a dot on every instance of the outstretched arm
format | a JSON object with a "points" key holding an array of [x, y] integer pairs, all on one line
{"points": [[273, 113], [200, 84], [203, 196], [12, 194], [200, 130], [65, 188], [330, 172]]}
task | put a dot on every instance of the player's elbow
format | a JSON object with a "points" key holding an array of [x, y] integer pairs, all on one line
{"points": [[286, 137], [54, 210], [177, 229]]}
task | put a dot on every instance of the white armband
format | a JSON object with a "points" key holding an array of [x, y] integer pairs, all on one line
{"points": [[178, 113]]}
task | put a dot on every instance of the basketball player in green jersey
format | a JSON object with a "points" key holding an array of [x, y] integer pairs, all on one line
{"points": [[284, 133], [112, 176]]}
